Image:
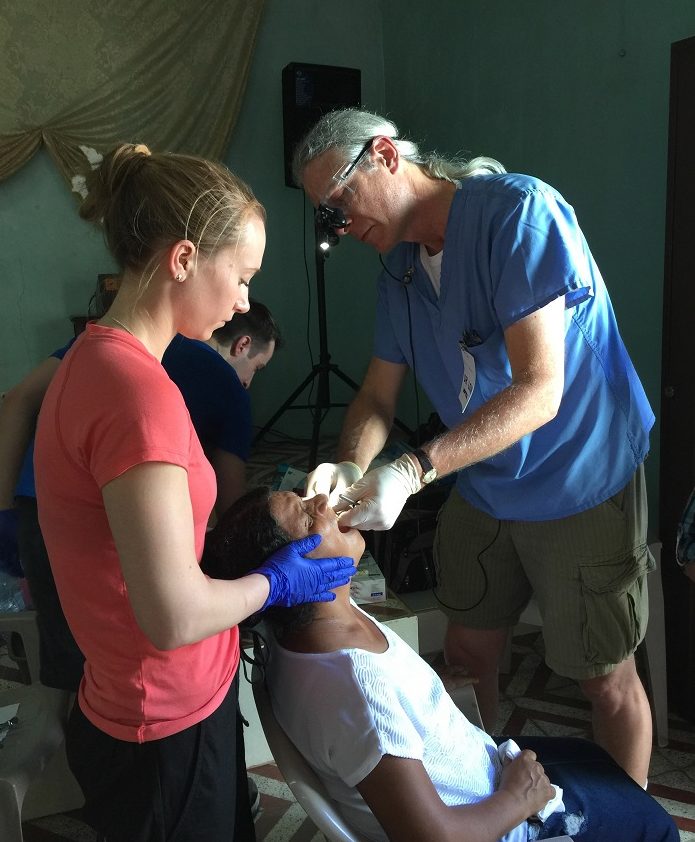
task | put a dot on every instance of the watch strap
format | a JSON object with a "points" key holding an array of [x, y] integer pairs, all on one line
{"points": [[429, 472]]}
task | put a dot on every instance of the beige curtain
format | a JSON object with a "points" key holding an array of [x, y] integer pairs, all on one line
{"points": [[83, 75]]}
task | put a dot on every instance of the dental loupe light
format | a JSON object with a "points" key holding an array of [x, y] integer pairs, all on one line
{"points": [[327, 219]]}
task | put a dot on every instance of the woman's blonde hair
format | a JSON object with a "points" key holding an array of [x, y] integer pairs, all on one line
{"points": [[146, 202]]}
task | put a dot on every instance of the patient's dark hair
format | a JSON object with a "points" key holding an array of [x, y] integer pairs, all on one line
{"points": [[245, 535]]}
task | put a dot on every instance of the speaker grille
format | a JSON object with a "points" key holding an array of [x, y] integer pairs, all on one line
{"points": [[310, 91]]}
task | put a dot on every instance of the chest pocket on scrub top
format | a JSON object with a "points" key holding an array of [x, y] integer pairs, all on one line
{"points": [[491, 366]]}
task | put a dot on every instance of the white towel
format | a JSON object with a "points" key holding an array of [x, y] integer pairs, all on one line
{"points": [[508, 750]]}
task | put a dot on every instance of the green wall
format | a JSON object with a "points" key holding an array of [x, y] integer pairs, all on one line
{"points": [[575, 93], [50, 266]]}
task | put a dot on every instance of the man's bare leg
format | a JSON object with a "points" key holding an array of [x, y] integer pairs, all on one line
{"points": [[479, 651], [622, 718]]}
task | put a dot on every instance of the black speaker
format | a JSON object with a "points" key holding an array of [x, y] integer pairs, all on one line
{"points": [[308, 92]]}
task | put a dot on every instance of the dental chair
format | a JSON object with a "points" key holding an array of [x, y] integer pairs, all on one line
{"points": [[305, 784]]}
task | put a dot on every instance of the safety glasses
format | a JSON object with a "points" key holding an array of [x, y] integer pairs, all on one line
{"points": [[339, 181]]}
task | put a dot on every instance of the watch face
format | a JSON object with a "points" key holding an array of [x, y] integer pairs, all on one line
{"points": [[429, 476]]}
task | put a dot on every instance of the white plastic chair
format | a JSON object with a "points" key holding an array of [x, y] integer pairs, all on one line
{"points": [[305, 784], [39, 733]]}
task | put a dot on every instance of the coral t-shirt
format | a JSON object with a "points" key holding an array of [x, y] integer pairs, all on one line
{"points": [[111, 406]]}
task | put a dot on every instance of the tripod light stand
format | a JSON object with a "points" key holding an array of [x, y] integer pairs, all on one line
{"points": [[325, 238], [325, 221]]}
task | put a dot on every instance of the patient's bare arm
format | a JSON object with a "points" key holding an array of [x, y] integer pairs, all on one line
{"points": [[403, 798]]}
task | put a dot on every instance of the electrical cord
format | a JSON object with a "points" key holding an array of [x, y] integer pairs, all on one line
{"points": [[308, 287], [260, 648], [405, 282], [482, 570]]}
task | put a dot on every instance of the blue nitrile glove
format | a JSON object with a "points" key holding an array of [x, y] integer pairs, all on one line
{"points": [[9, 554], [295, 579]]}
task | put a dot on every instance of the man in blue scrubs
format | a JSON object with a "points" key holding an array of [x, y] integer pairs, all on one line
{"points": [[491, 296]]}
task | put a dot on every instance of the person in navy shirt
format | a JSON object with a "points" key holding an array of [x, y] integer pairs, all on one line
{"points": [[213, 377]]}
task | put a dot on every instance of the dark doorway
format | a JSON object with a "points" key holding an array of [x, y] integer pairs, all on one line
{"points": [[677, 473]]}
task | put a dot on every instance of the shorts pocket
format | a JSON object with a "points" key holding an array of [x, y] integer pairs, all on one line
{"points": [[616, 606]]}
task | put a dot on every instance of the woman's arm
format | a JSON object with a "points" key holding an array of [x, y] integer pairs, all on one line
{"points": [[150, 515], [149, 511], [403, 798]]}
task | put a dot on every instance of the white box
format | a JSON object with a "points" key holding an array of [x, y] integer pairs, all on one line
{"points": [[368, 584]]}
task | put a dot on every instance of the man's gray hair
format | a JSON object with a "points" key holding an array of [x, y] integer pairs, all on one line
{"points": [[350, 129]]}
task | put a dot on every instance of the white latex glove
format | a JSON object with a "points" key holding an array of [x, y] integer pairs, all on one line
{"points": [[332, 479], [381, 494]]}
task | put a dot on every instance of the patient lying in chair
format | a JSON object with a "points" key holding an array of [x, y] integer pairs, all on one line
{"points": [[378, 727]]}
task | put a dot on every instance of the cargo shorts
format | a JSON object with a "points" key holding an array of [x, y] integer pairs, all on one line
{"points": [[588, 573]]}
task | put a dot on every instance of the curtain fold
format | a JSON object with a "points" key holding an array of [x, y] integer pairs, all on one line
{"points": [[81, 78]]}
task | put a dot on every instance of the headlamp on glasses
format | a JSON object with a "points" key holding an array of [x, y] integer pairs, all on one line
{"points": [[326, 221], [328, 217]]}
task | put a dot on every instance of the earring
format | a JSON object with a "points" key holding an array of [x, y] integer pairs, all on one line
{"points": [[178, 277]]}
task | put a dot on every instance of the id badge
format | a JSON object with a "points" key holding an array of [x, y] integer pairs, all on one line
{"points": [[468, 382]]}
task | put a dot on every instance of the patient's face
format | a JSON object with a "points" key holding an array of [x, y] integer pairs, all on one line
{"points": [[300, 518]]}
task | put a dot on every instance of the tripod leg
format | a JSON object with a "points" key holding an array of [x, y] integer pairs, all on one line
{"points": [[313, 450], [323, 404], [345, 378], [397, 422], [286, 405]]}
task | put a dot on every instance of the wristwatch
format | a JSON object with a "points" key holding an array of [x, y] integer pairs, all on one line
{"points": [[429, 472]]}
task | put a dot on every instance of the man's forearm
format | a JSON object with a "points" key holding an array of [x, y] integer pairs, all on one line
{"points": [[513, 413], [364, 433]]}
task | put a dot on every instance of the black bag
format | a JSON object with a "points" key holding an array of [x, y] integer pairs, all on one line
{"points": [[404, 553]]}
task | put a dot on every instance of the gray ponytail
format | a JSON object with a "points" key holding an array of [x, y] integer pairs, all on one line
{"points": [[349, 129]]}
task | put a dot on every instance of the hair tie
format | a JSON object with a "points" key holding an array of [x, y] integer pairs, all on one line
{"points": [[138, 158]]}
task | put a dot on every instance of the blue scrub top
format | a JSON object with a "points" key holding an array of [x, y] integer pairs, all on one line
{"points": [[513, 245]]}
